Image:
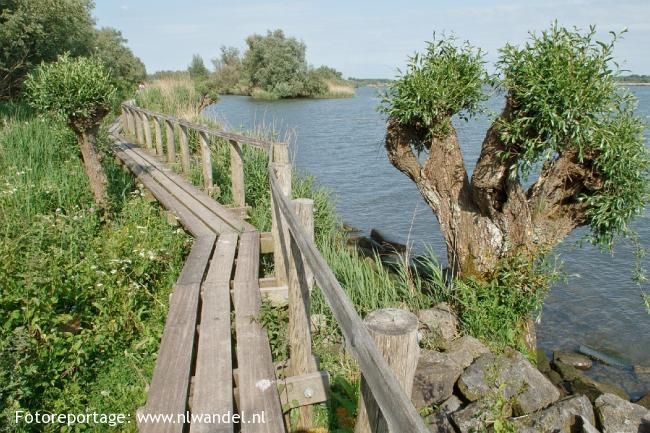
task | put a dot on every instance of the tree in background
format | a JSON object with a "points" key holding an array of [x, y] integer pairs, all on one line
{"points": [[565, 120], [35, 31], [79, 91], [276, 65], [203, 82], [197, 69], [228, 71], [126, 69]]}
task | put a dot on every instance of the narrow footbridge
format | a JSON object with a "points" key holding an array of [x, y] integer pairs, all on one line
{"points": [[214, 371]]}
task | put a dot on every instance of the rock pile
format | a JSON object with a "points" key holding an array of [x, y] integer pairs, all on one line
{"points": [[463, 387]]}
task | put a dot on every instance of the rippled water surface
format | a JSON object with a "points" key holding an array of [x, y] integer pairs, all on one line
{"points": [[339, 141]]}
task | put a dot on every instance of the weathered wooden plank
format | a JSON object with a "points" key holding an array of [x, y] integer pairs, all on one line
{"points": [[266, 242], [190, 221], [297, 391], [227, 215], [212, 393], [185, 197], [276, 295], [394, 403], [213, 215], [303, 390], [170, 383], [257, 382]]}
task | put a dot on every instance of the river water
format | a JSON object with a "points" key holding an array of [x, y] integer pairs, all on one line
{"points": [[340, 142]]}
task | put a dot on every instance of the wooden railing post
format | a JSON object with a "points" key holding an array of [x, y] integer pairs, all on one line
{"points": [[395, 334], [159, 141], [237, 174], [280, 158], [171, 146], [134, 123], [147, 130], [130, 122], [139, 127], [185, 149], [206, 161], [301, 358], [124, 119]]}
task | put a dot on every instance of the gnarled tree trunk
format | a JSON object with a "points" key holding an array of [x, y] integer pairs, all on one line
{"points": [[491, 216], [92, 159]]}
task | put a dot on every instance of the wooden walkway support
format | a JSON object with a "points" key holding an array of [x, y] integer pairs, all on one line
{"points": [[199, 373]]}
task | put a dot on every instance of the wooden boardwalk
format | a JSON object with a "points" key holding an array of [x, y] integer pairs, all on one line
{"points": [[214, 372], [196, 359]]}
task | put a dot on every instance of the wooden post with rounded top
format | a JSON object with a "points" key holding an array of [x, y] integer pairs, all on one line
{"points": [[301, 358], [395, 334], [171, 146]]}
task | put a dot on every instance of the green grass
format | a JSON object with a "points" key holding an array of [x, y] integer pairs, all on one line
{"points": [[83, 301]]}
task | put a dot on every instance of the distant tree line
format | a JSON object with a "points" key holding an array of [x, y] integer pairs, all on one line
{"points": [[273, 66], [39, 31], [360, 82], [634, 78]]}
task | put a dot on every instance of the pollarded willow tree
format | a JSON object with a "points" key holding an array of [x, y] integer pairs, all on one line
{"points": [[565, 120], [80, 91]]}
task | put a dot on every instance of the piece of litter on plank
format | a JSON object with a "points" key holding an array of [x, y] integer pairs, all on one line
{"points": [[263, 384]]}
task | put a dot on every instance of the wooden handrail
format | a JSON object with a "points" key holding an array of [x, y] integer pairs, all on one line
{"points": [[239, 138], [395, 405]]}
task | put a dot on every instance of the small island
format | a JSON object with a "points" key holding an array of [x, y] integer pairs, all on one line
{"points": [[273, 66]]}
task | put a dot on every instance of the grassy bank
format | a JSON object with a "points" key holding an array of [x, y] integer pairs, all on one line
{"points": [[83, 301], [491, 312]]}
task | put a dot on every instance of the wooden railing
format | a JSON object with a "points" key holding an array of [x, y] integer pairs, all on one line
{"points": [[298, 263], [138, 122], [299, 253]]}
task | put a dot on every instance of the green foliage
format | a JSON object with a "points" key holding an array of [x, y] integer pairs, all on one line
{"points": [[35, 31], [204, 82], [564, 97], [493, 309], [197, 69], [228, 75], [275, 67], [83, 302], [446, 79], [275, 319], [79, 90], [126, 70], [275, 64], [328, 73]]}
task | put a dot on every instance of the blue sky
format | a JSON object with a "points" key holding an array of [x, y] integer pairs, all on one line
{"points": [[362, 38]]}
